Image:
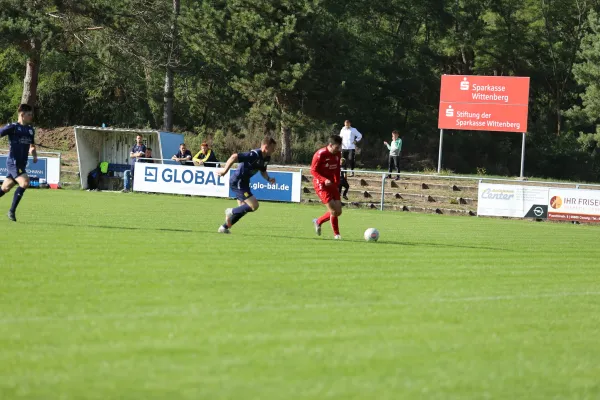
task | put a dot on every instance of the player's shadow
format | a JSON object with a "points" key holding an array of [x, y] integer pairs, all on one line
{"points": [[182, 230], [389, 243], [449, 246], [126, 228]]}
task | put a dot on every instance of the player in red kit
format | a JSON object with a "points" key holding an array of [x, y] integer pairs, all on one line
{"points": [[325, 169]]}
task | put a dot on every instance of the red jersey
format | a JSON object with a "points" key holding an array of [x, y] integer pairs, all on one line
{"points": [[326, 165]]}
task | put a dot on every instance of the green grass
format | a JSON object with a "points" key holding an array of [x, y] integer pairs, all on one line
{"points": [[135, 296]]}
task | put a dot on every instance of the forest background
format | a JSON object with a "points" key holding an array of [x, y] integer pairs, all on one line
{"points": [[229, 72]]}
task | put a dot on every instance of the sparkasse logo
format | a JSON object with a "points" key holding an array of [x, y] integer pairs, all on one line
{"points": [[464, 85]]}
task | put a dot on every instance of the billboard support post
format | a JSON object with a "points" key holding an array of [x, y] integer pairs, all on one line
{"points": [[440, 151], [522, 156]]}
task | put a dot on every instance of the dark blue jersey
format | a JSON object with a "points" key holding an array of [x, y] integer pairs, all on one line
{"points": [[137, 149], [185, 154], [249, 164], [20, 137]]}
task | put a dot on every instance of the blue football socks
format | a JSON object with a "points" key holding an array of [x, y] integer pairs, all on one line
{"points": [[243, 209], [238, 213], [17, 198]]}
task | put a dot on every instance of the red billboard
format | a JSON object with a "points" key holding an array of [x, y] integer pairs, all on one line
{"points": [[484, 103]]}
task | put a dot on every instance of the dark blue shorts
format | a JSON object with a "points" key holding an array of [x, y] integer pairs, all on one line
{"points": [[240, 190], [14, 171]]}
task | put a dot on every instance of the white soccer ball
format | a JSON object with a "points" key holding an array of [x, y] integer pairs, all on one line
{"points": [[371, 235]]}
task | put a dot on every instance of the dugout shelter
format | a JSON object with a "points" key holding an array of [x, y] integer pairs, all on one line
{"points": [[112, 145]]}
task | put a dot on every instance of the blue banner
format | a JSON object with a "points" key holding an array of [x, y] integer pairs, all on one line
{"points": [[37, 170], [169, 143], [281, 190]]}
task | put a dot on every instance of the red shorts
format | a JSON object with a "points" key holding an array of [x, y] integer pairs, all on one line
{"points": [[327, 193]]}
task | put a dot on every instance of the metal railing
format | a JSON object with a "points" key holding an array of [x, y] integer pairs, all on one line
{"points": [[477, 179], [189, 163], [39, 153], [384, 176], [56, 154]]}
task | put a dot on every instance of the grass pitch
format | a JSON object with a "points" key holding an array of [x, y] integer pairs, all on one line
{"points": [[136, 296]]}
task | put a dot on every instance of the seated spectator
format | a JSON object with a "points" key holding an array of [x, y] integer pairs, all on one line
{"points": [[206, 157], [183, 156], [148, 156]]}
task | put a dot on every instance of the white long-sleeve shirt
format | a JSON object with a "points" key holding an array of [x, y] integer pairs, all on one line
{"points": [[349, 136], [395, 148]]}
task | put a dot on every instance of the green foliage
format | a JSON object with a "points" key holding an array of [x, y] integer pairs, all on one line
{"points": [[587, 74], [267, 46], [246, 68], [12, 66]]}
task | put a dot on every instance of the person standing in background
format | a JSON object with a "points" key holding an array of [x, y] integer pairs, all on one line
{"points": [[343, 181], [395, 149], [350, 136], [137, 152]]}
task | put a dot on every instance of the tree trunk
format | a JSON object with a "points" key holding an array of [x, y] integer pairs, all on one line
{"points": [[150, 105], [558, 115], [286, 143], [168, 101], [169, 75], [32, 70]]}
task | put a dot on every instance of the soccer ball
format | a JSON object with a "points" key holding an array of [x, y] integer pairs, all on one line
{"points": [[371, 235]]}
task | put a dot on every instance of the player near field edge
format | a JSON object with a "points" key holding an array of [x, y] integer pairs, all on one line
{"points": [[21, 137], [326, 170], [249, 164]]}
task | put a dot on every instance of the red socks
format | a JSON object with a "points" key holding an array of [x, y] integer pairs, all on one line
{"points": [[334, 222], [335, 226], [324, 218]]}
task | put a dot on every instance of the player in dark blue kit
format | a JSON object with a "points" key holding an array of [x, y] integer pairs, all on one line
{"points": [[21, 137], [249, 164]]}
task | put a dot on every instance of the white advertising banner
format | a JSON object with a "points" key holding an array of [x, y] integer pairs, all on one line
{"points": [[53, 173], [47, 168], [180, 179], [202, 181], [516, 201], [580, 205]]}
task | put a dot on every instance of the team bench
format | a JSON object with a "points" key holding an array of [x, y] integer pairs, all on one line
{"points": [[118, 167], [109, 181]]}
